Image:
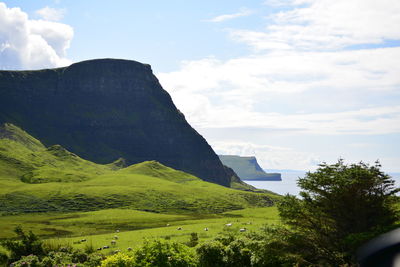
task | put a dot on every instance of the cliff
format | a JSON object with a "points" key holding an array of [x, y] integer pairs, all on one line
{"points": [[247, 168], [106, 109]]}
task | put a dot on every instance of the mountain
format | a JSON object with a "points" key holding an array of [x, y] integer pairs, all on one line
{"points": [[36, 178], [247, 168], [107, 109]]}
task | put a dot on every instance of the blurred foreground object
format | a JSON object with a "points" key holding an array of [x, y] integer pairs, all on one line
{"points": [[382, 251]]}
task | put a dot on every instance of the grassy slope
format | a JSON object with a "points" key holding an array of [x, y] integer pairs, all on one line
{"points": [[34, 179]]}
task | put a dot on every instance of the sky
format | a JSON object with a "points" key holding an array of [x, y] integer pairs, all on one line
{"points": [[292, 82]]}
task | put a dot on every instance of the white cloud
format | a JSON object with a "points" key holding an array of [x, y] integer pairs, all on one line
{"points": [[327, 25], [306, 76], [242, 13], [53, 14], [31, 44], [214, 93]]}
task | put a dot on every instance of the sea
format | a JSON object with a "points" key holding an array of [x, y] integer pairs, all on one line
{"points": [[288, 185]]}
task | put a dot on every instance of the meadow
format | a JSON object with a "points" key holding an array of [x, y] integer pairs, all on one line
{"points": [[133, 227], [64, 198]]}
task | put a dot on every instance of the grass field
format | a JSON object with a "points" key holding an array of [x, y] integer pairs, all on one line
{"points": [[251, 219], [61, 196]]}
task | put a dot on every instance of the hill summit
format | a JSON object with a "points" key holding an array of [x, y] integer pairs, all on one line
{"points": [[104, 110]]}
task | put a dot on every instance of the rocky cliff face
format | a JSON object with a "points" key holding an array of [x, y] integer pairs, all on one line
{"points": [[247, 168], [106, 109]]}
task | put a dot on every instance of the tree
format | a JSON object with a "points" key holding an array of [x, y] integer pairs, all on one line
{"points": [[341, 206], [25, 245]]}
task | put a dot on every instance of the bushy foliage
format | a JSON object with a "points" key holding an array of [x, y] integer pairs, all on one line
{"points": [[341, 207], [119, 260], [57, 258], [211, 254], [26, 244], [3, 258], [194, 240], [161, 253], [27, 261], [265, 248]]}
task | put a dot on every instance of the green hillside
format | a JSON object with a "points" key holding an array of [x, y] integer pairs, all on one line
{"points": [[34, 178], [247, 168]]}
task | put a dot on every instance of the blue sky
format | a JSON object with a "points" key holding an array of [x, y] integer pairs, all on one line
{"points": [[293, 82]]}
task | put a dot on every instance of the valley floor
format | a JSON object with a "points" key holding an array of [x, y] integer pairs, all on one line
{"points": [[133, 227]]}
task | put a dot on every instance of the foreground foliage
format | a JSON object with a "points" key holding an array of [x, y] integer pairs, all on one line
{"points": [[341, 207]]}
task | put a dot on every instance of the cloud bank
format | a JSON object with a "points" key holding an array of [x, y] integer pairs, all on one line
{"points": [[319, 67], [32, 44]]}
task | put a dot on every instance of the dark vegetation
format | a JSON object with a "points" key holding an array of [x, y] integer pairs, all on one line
{"points": [[341, 207]]}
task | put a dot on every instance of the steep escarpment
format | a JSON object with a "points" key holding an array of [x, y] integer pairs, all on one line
{"points": [[106, 109], [247, 168]]}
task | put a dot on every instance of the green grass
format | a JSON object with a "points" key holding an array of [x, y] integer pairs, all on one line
{"points": [[251, 219], [55, 193], [34, 178]]}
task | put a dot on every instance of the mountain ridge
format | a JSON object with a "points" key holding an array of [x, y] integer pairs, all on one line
{"points": [[106, 109]]}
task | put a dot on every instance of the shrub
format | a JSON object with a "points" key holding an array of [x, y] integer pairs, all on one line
{"points": [[94, 260], [28, 244], [193, 241], [238, 253], [118, 260], [162, 253], [211, 254], [57, 258], [27, 261]]}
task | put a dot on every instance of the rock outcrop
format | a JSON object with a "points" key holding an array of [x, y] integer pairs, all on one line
{"points": [[106, 109], [247, 168]]}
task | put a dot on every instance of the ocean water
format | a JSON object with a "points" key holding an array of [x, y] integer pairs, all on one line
{"points": [[288, 185]]}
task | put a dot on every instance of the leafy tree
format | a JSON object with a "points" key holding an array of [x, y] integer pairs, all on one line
{"points": [[341, 207], [26, 244]]}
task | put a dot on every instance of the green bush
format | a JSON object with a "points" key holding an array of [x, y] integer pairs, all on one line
{"points": [[26, 244], [238, 253], [165, 254], [193, 241], [118, 260], [3, 258], [94, 260], [56, 258], [211, 254], [27, 261]]}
